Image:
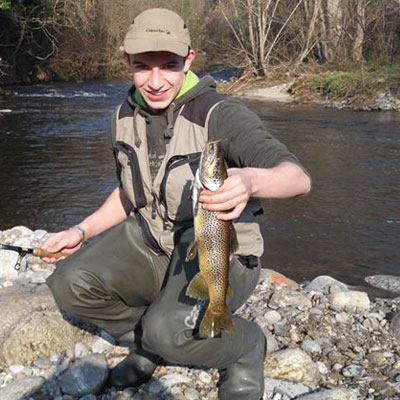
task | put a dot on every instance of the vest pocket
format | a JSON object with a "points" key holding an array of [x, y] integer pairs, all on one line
{"points": [[176, 187], [128, 173]]}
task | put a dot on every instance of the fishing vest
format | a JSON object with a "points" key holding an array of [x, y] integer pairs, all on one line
{"points": [[164, 207]]}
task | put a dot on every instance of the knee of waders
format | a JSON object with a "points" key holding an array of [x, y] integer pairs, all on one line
{"points": [[65, 283], [165, 336]]}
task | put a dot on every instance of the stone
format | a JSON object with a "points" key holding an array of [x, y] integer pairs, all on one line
{"points": [[323, 284], [86, 376], [16, 368], [101, 345], [81, 350], [272, 343], [353, 371], [8, 260], [288, 297], [329, 394], [32, 326], [21, 388], [272, 317], [390, 283], [292, 364], [284, 387], [311, 347], [351, 298], [173, 379], [192, 394], [277, 278], [395, 326]]}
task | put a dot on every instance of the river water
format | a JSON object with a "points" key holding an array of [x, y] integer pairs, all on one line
{"points": [[56, 167]]}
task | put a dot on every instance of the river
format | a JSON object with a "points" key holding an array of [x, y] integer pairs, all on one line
{"points": [[56, 167]]}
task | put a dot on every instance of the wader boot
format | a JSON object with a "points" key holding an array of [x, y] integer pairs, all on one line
{"points": [[135, 370], [244, 378]]}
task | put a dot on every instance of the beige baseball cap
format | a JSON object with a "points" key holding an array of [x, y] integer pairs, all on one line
{"points": [[157, 29]]}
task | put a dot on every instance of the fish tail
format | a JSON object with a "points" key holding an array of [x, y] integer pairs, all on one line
{"points": [[215, 319]]}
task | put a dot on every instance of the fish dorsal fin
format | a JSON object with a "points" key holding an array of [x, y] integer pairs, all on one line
{"points": [[198, 288]]}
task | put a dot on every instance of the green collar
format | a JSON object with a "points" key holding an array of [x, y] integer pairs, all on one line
{"points": [[191, 80]]}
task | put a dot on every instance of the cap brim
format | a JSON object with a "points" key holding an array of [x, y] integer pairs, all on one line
{"points": [[137, 46]]}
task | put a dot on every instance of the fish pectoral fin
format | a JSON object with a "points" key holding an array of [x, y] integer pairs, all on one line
{"points": [[191, 251], [234, 244], [229, 292], [198, 288]]}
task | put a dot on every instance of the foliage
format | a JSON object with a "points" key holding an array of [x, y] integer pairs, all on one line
{"points": [[338, 81], [5, 5], [80, 39]]}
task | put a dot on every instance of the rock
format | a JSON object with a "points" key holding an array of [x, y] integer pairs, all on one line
{"points": [[101, 345], [170, 380], [292, 364], [395, 326], [390, 283], [278, 93], [329, 394], [271, 317], [323, 284], [311, 347], [285, 388], [353, 371], [86, 376], [32, 326], [81, 350], [351, 298], [8, 260], [287, 297], [192, 394], [276, 278], [272, 343], [21, 388]]}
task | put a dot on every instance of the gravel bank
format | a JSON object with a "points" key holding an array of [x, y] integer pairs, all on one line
{"points": [[325, 341]]}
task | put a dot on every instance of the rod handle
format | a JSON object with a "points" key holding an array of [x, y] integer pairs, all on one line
{"points": [[44, 253]]}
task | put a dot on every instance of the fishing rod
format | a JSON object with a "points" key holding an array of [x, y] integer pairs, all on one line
{"points": [[24, 251]]}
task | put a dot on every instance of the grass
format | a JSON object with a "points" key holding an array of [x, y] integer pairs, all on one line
{"points": [[338, 81]]}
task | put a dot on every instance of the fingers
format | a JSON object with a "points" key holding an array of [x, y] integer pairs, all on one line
{"points": [[67, 241]]}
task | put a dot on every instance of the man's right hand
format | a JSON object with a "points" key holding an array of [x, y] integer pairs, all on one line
{"points": [[68, 241]]}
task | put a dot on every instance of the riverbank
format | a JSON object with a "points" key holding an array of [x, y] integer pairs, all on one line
{"points": [[326, 340], [370, 86]]}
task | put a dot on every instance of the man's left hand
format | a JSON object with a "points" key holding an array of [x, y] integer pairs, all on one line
{"points": [[231, 198]]}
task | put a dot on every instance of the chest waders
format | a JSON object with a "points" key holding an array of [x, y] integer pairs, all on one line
{"points": [[119, 281]]}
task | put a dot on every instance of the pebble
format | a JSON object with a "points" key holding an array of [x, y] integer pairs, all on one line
{"points": [[311, 346], [191, 394]]}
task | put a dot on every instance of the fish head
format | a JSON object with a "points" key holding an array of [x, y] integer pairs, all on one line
{"points": [[212, 167]]}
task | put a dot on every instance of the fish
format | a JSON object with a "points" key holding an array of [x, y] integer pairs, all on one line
{"points": [[215, 243]]}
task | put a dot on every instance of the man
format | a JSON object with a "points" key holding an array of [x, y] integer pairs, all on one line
{"points": [[120, 282]]}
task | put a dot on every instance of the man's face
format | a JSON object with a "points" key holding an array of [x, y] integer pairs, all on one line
{"points": [[159, 76]]}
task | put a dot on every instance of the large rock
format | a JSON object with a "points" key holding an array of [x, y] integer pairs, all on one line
{"points": [[32, 326], [86, 376], [292, 364], [21, 388], [323, 284], [386, 282], [351, 298]]}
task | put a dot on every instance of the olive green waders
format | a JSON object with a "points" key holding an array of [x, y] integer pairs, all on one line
{"points": [[116, 283]]}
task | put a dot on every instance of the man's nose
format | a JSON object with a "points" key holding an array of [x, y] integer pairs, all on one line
{"points": [[156, 81]]}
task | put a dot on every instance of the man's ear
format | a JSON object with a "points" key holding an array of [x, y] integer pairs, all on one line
{"points": [[125, 57], [189, 60]]}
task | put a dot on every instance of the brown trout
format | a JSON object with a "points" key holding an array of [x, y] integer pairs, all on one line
{"points": [[215, 241]]}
